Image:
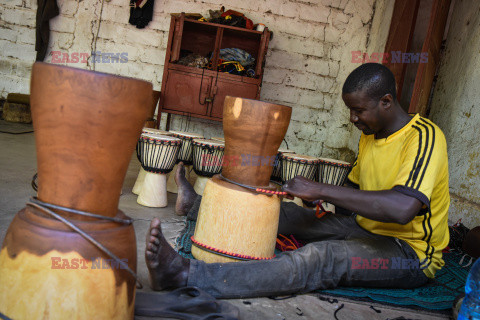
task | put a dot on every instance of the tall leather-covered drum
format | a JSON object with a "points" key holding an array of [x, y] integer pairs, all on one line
{"points": [[86, 127], [235, 222]]}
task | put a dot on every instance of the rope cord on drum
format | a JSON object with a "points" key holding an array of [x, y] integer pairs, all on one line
{"points": [[319, 205], [45, 207], [258, 190]]}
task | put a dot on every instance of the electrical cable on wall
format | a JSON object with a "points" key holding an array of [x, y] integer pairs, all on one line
{"points": [[94, 53]]}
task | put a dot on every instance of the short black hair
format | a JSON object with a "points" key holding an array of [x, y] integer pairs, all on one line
{"points": [[375, 78]]}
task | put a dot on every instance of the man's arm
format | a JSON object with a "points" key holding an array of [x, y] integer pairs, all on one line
{"points": [[384, 206]]}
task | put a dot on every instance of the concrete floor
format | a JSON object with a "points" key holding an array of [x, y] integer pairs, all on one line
{"points": [[18, 165]]}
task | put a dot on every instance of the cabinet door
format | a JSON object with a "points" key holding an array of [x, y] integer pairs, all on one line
{"points": [[230, 88], [186, 92]]}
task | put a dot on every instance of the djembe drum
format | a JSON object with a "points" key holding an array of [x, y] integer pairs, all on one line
{"points": [[207, 161], [158, 155], [86, 126], [298, 164], [239, 212], [277, 167], [333, 171], [185, 156], [137, 187], [218, 139]]}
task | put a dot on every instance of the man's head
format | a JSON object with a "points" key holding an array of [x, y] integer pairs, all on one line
{"points": [[370, 94]]}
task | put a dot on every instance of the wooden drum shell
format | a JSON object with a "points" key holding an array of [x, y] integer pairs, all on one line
{"points": [[86, 127], [31, 286], [235, 220], [252, 129]]}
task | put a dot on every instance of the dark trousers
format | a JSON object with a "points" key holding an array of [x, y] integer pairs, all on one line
{"points": [[339, 252]]}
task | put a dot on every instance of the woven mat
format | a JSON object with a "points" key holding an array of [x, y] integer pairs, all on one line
{"points": [[439, 295]]}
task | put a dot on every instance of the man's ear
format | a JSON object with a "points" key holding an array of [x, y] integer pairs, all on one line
{"points": [[386, 101]]}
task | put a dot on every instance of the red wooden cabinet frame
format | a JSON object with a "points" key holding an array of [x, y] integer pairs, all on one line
{"points": [[200, 92]]}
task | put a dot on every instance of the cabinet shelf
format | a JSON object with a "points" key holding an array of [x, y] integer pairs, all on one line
{"points": [[198, 91]]}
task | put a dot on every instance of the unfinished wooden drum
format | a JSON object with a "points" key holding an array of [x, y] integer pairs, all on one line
{"points": [[137, 187], [86, 126], [236, 221], [158, 155], [333, 171], [253, 132], [185, 156], [207, 161], [235, 224]]}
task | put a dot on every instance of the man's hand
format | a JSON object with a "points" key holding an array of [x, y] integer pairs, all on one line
{"points": [[302, 188], [384, 205]]}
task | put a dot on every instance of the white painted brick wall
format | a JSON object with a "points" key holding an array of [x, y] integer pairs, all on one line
{"points": [[307, 62]]}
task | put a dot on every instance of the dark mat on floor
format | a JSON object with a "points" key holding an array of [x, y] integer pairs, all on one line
{"points": [[437, 295], [15, 128], [449, 282]]}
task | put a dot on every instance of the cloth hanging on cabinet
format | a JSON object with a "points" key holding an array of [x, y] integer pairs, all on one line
{"points": [[46, 10]]}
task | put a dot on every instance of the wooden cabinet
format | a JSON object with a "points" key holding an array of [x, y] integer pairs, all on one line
{"points": [[200, 92]]}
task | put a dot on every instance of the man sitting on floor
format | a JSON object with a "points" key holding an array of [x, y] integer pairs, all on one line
{"points": [[394, 239]]}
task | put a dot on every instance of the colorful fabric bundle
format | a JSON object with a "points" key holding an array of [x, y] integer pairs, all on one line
{"points": [[236, 54]]}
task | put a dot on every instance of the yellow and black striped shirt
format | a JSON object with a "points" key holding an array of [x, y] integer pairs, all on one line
{"points": [[412, 161]]}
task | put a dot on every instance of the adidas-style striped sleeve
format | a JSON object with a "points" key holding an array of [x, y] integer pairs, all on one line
{"points": [[423, 153]]}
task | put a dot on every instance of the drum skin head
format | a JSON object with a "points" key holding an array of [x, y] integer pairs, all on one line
{"points": [[187, 134]]}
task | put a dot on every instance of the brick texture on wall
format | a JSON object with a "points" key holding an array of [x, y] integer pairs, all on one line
{"points": [[308, 59]]}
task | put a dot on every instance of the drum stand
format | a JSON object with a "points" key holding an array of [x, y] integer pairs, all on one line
{"points": [[154, 191], [137, 187], [200, 184]]}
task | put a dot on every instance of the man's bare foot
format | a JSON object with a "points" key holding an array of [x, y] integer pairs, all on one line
{"points": [[186, 194], [166, 267]]}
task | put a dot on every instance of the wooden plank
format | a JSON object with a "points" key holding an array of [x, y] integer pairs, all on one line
{"points": [[164, 77], [432, 45], [177, 40], [400, 36], [183, 113], [224, 26], [262, 53]]}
